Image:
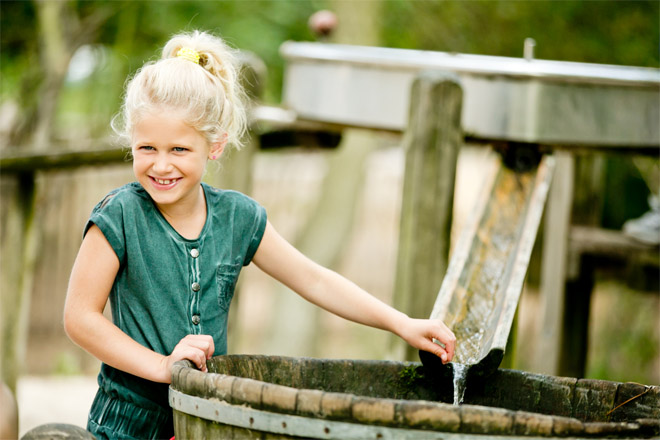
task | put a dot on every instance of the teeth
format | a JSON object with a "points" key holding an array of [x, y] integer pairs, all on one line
{"points": [[164, 182]]}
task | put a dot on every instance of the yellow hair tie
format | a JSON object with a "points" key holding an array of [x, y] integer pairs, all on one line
{"points": [[188, 54]]}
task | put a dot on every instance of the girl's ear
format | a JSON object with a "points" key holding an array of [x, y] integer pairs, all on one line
{"points": [[217, 148]]}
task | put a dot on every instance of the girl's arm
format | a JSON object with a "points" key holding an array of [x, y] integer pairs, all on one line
{"points": [[92, 277], [340, 296]]}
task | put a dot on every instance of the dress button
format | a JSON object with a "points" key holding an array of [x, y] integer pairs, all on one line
{"points": [[195, 319], [195, 287], [194, 253]]}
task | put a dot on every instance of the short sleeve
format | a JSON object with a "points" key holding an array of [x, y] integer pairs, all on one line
{"points": [[258, 228], [108, 217]]}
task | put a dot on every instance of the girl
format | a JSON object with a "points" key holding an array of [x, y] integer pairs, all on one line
{"points": [[167, 249]]}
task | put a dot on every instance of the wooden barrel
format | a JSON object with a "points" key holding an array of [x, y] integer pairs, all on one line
{"points": [[273, 397]]}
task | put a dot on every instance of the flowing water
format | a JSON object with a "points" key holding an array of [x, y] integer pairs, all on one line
{"points": [[466, 354], [460, 375]]}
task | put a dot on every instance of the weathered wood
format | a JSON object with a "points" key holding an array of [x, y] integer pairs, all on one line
{"points": [[58, 431], [553, 269], [587, 208], [479, 295], [575, 321], [610, 244], [18, 253], [588, 195], [590, 250], [511, 403], [31, 161], [432, 141]]}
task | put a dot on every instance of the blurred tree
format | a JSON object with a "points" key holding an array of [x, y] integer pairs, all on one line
{"points": [[595, 31], [62, 27], [34, 64]]}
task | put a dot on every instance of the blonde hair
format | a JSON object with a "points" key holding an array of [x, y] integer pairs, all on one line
{"points": [[208, 94]]}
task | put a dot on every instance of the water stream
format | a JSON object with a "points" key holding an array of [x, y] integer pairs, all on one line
{"points": [[460, 375], [467, 353]]}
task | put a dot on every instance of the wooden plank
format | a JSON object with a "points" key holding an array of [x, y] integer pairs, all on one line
{"points": [[553, 269], [608, 242], [432, 143], [30, 160]]}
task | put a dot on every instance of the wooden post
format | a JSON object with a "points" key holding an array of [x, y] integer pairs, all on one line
{"points": [[18, 256], [587, 210], [431, 142], [554, 262], [575, 323]]}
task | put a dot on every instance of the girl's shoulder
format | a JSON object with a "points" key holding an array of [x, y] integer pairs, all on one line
{"points": [[227, 196], [131, 193]]}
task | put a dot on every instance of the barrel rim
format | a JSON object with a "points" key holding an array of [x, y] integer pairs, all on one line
{"points": [[421, 415]]}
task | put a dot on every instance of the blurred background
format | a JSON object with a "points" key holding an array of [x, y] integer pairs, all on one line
{"points": [[63, 65]]}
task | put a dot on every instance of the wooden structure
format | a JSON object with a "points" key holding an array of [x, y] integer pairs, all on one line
{"points": [[432, 145], [480, 292], [526, 105], [282, 398], [590, 250], [541, 106]]}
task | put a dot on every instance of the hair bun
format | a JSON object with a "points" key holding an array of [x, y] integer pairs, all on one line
{"points": [[212, 99]]}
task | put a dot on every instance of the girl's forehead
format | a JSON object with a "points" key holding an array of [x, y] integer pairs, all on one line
{"points": [[164, 125]]}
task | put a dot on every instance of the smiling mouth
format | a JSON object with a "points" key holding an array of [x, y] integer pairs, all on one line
{"points": [[164, 181]]}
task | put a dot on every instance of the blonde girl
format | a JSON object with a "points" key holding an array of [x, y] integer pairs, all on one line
{"points": [[167, 249]]}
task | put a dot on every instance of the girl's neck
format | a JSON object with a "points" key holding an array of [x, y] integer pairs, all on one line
{"points": [[189, 218]]}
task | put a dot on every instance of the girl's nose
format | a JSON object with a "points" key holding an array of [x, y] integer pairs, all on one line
{"points": [[162, 164]]}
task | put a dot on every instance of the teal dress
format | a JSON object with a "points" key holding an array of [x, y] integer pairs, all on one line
{"points": [[167, 287]]}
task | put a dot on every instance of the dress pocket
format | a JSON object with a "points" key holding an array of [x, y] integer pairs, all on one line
{"points": [[226, 277]]}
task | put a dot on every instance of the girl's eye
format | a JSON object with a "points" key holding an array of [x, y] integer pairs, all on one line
{"points": [[146, 147], [180, 149]]}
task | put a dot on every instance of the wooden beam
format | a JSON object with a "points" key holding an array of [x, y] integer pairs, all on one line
{"points": [[431, 143], [553, 269], [30, 161]]}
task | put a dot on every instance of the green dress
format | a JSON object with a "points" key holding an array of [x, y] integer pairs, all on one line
{"points": [[167, 287]]}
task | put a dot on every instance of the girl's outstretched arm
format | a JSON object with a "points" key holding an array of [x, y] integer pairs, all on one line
{"points": [[340, 296], [93, 274]]}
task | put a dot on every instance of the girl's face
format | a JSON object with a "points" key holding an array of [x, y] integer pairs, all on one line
{"points": [[169, 159]]}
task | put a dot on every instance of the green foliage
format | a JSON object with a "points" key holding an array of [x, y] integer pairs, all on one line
{"points": [[593, 31], [410, 375], [622, 177], [624, 340], [608, 32]]}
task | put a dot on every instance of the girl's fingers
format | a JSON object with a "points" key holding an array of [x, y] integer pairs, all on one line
{"points": [[194, 355], [450, 344], [195, 348], [202, 342], [436, 349], [442, 341]]}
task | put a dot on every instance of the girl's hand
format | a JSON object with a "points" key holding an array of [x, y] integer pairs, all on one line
{"points": [[421, 333], [196, 348]]}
